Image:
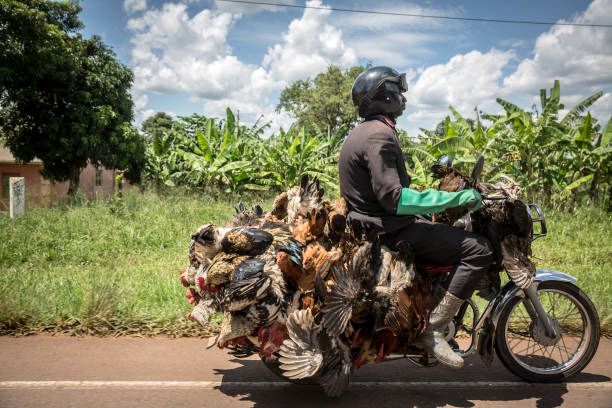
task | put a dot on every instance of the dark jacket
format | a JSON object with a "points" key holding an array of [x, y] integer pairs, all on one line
{"points": [[372, 175]]}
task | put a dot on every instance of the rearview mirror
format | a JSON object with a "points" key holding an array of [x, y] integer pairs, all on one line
{"points": [[476, 173]]}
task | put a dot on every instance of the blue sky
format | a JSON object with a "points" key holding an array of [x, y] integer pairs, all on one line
{"points": [[203, 55]]}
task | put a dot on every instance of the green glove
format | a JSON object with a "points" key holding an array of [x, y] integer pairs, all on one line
{"points": [[413, 202]]}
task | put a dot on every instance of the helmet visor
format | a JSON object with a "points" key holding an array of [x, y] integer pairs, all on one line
{"points": [[400, 80]]}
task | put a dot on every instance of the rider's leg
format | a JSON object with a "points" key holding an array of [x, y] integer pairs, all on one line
{"points": [[441, 244], [433, 338]]}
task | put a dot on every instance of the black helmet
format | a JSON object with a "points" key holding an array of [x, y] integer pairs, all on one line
{"points": [[378, 90]]}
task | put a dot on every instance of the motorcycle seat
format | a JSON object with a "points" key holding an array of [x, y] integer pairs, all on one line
{"points": [[434, 269]]}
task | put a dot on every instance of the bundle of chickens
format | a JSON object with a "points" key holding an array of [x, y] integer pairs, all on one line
{"points": [[297, 286]]}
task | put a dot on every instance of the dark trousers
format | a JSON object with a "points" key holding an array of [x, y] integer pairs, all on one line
{"points": [[440, 244]]}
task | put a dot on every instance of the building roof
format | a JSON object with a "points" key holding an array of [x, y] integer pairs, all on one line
{"points": [[7, 157]]}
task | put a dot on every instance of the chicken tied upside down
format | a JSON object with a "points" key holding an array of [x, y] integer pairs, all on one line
{"points": [[297, 287]]}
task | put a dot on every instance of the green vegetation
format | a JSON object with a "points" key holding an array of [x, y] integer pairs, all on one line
{"points": [[113, 269], [95, 268], [203, 153], [565, 162], [323, 104], [562, 161]]}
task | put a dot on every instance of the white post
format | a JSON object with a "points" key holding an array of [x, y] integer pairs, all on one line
{"points": [[16, 196]]}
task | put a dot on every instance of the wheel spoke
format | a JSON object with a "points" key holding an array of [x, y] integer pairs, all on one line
{"points": [[570, 318]]}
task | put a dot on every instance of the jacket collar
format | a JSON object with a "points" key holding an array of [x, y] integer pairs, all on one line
{"points": [[384, 119]]}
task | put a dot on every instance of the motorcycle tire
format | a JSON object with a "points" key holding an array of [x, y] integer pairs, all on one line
{"points": [[522, 366]]}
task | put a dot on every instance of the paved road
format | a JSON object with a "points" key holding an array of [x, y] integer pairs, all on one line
{"points": [[124, 372]]}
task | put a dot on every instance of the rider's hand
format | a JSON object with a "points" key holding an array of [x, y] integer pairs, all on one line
{"points": [[474, 201]]}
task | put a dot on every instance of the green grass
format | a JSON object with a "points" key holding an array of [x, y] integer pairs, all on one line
{"points": [[103, 268], [580, 244]]}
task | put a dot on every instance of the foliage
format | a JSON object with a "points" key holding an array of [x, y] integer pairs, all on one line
{"points": [[290, 154], [63, 98], [558, 160], [157, 125], [325, 102], [205, 153], [562, 161], [86, 269]]}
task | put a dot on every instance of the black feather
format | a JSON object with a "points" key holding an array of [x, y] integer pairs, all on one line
{"points": [[294, 249], [338, 305], [335, 373], [248, 285], [246, 241], [248, 269]]}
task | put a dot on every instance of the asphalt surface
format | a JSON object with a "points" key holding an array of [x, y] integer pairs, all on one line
{"points": [[60, 371]]}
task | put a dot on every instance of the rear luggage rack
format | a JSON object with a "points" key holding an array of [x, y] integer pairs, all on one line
{"points": [[537, 216]]}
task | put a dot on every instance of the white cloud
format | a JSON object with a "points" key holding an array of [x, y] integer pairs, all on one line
{"points": [[377, 22], [140, 102], [576, 55], [580, 57], [391, 48], [465, 81], [177, 53], [310, 45], [513, 43], [397, 41], [134, 6]]}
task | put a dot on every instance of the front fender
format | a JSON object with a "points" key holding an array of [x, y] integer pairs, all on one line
{"points": [[510, 290], [543, 275]]}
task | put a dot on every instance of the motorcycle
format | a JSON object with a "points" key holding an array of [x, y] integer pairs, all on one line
{"points": [[540, 325]]}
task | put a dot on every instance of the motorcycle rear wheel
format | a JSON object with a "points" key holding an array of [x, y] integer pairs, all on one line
{"points": [[525, 351]]}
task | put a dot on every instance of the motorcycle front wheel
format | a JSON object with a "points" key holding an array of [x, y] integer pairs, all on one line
{"points": [[524, 348]]}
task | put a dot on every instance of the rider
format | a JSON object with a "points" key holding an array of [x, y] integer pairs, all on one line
{"points": [[375, 184]]}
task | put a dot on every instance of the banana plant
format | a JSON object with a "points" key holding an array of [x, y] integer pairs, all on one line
{"points": [[290, 154]]}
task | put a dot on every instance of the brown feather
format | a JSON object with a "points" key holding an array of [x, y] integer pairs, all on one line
{"points": [[279, 208], [288, 267], [311, 227]]}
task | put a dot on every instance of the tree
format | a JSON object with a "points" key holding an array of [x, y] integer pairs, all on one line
{"points": [[157, 125], [325, 102], [63, 98]]}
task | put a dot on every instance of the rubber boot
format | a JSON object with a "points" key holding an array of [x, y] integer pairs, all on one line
{"points": [[433, 338]]}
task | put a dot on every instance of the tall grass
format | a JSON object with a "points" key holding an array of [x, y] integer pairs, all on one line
{"points": [[578, 244], [111, 268], [100, 268]]}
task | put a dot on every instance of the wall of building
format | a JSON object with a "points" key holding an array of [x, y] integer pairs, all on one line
{"points": [[34, 188], [43, 192]]}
